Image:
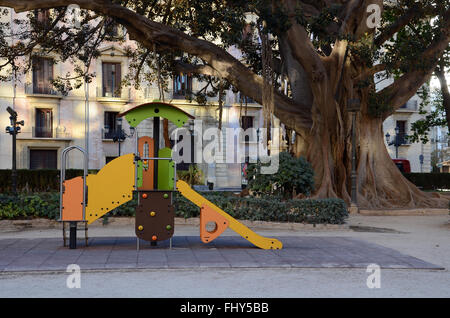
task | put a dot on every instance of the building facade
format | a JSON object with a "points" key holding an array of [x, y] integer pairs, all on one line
{"points": [[54, 122], [398, 127]]}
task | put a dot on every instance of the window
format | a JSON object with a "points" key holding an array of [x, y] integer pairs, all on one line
{"points": [[401, 125], [42, 15], [112, 78], [110, 124], [112, 28], [42, 75], [43, 159], [44, 123], [109, 159], [182, 85], [246, 123]]}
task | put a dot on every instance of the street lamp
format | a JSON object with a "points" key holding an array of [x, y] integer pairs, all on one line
{"points": [[397, 142], [13, 130], [354, 106]]}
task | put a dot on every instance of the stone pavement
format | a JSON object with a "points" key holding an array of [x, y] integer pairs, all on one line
{"points": [[47, 254]]}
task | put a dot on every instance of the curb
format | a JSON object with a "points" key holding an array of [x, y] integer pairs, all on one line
{"points": [[400, 212], [18, 225]]}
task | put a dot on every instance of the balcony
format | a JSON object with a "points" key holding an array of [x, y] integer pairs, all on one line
{"points": [[153, 93], [411, 106], [237, 99], [403, 140], [45, 91], [122, 96]]}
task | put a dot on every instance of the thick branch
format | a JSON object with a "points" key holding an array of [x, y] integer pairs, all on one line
{"points": [[399, 24], [149, 32], [406, 86]]}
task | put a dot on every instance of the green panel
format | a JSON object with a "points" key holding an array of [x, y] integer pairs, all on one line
{"points": [[166, 170], [173, 114], [140, 174]]}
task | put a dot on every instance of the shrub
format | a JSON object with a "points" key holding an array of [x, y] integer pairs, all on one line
{"points": [[30, 181], [430, 181], [332, 211], [294, 174]]}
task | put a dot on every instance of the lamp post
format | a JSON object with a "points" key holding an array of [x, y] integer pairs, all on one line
{"points": [[396, 141], [354, 106], [118, 134], [13, 130]]}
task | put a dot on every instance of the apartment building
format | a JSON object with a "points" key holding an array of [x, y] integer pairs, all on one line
{"points": [[54, 121]]}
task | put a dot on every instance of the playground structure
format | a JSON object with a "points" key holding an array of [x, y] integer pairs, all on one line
{"points": [[150, 172]]}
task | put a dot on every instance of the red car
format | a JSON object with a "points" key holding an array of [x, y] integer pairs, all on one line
{"points": [[403, 165]]}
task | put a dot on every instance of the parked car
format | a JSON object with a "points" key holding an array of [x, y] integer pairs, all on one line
{"points": [[403, 165]]}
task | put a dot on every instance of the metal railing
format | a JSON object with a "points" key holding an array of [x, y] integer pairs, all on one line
{"points": [[42, 132], [123, 93], [30, 89], [154, 93], [411, 105]]}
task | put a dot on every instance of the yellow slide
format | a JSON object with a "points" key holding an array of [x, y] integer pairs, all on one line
{"points": [[235, 225], [111, 187]]}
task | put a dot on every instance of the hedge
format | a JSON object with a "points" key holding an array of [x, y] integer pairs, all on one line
{"points": [[331, 211], [430, 181], [30, 181]]}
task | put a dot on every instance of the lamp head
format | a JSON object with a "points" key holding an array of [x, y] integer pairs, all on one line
{"points": [[11, 111]]}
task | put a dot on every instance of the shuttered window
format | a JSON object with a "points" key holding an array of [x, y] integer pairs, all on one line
{"points": [[182, 85], [42, 75], [43, 159], [111, 79], [247, 122], [110, 124], [44, 123]]}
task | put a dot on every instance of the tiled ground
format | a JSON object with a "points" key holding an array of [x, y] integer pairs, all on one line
{"points": [[190, 252]]}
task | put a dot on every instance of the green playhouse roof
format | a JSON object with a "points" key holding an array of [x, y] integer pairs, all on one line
{"points": [[135, 115]]}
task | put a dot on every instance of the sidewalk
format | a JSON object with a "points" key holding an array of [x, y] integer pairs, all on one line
{"points": [[386, 241]]}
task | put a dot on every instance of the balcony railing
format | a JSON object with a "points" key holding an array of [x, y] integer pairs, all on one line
{"points": [[402, 139], [237, 99], [153, 93], [122, 94], [42, 132], [31, 89], [107, 133], [411, 106]]}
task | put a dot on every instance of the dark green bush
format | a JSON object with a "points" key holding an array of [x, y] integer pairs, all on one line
{"points": [[31, 181], [430, 181], [294, 174], [332, 211]]}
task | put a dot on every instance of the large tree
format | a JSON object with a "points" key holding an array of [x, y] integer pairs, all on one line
{"points": [[328, 51]]}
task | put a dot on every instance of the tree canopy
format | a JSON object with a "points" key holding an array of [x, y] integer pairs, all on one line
{"points": [[323, 53]]}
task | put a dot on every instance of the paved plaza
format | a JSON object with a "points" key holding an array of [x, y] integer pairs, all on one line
{"points": [[48, 254]]}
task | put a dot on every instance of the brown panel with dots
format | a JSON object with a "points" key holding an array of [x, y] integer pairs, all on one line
{"points": [[155, 216]]}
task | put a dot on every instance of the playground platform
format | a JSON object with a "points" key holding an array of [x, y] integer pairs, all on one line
{"points": [[189, 252]]}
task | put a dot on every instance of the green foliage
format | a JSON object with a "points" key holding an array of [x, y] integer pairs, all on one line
{"points": [[379, 104], [430, 181], [44, 205], [192, 176], [294, 174], [29, 181], [332, 211], [434, 118]]}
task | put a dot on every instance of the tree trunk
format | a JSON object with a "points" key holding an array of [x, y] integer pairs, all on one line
{"points": [[380, 183]]}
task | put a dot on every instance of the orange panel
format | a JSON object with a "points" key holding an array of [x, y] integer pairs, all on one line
{"points": [[72, 200], [147, 173], [209, 215]]}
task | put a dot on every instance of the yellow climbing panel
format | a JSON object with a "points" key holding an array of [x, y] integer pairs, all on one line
{"points": [[111, 187], [235, 225]]}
